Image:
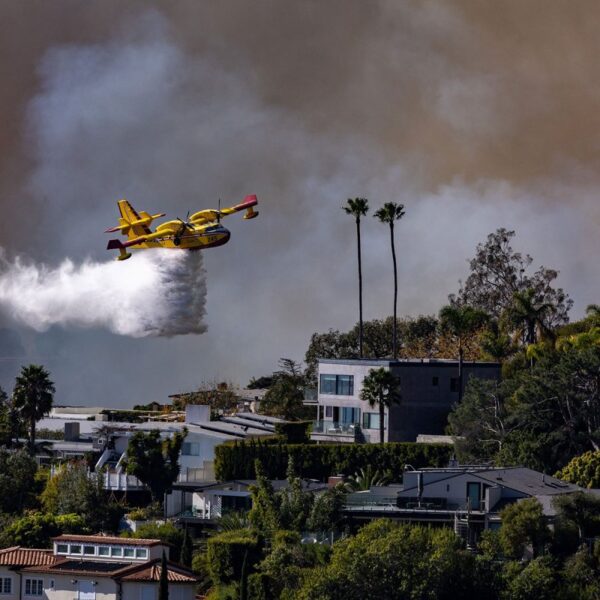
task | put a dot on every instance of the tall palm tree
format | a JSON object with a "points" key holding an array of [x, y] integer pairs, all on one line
{"points": [[390, 213], [528, 316], [382, 388], [32, 396], [461, 322], [358, 207]]}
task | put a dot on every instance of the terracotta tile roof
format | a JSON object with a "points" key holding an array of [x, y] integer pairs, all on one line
{"points": [[151, 572], [81, 567], [105, 539], [25, 557], [146, 571]]}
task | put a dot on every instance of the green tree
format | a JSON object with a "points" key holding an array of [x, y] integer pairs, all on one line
{"points": [[163, 582], [33, 396], [294, 503], [460, 322], [483, 420], [358, 207], [286, 395], [497, 272], [327, 511], [187, 549], [264, 515], [382, 388], [155, 461], [73, 491], [17, 481], [537, 580], [399, 562], [523, 525], [11, 426], [580, 509], [583, 470], [528, 317], [36, 530], [390, 213]]}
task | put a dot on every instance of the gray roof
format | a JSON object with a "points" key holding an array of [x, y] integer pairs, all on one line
{"points": [[528, 481]]}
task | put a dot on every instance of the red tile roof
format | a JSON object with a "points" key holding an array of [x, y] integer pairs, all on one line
{"points": [[26, 557], [146, 571], [151, 572], [105, 539]]}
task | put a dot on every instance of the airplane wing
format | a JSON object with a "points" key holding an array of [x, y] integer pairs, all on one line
{"points": [[210, 215]]}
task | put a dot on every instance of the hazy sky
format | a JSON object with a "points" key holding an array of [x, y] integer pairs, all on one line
{"points": [[474, 115]]}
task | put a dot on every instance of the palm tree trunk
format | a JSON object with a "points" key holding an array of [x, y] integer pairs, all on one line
{"points": [[381, 422], [360, 302], [32, 435], [395, 329], [460, 371]]}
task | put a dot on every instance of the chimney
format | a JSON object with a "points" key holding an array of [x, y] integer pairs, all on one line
{"points": [[333, 480]]}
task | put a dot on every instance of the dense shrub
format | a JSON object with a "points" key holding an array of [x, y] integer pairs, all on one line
{"points": [[231, 553], [295, 432], [584, 470], [235, 460]]}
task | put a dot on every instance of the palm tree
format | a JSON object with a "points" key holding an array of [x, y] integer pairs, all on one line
{"points": [[32, 396], [528, 316], [461, 322], [381, 387], [365, 479], [389, 213], [358, 208]]}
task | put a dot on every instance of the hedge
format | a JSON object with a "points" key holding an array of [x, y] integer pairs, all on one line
{"points": [[235, 460], [229, 552]]}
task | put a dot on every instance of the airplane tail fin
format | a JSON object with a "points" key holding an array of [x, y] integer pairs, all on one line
{"points": [[249, 203], [132, 224]]}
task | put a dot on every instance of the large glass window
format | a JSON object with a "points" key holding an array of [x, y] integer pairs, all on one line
{"points": [[129, 552], [371, 421], [350, 415], [91, 550], [75, 549], [141, 553], [339, 385], [34, 587], [103, 551], [62, 549], [116, 551]]}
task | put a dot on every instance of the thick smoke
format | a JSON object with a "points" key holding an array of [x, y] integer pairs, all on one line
{"points": [[475, 115], [156, 293]]}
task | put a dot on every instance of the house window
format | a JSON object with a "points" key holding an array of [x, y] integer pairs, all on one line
{"points": [[62, 549], [103, 551], [89, 550], [435, 381], [337, 385], [329, 411], [141, 553], [75, 549], [350, 415], [454, 384], [34, 587], [129, 553], [5, 585], [371, 421], [190, 449], [116, 551]]}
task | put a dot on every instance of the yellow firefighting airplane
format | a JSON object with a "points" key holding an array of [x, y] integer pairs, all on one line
{"points": [[201, 230]]}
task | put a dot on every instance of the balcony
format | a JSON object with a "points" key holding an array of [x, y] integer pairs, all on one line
{"points": [[333, 431]]}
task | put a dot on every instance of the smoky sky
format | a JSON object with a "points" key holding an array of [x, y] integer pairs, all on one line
{"points": [[474, 115]]}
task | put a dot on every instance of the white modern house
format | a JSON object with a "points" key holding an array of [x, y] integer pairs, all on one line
{"points": [[428, 389], [92, 567]]}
